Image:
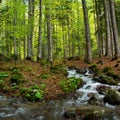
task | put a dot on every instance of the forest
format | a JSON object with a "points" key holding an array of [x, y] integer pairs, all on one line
{"points": [[59, 54], [59, 29]]}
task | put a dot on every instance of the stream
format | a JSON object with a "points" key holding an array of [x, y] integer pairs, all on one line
{"points": [[19, 109]]}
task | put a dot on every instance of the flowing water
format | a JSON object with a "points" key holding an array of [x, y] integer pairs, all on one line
{"points": [[19, 109]]}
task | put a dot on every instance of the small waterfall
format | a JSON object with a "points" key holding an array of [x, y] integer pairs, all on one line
{"points": [[89, 88], [16, 109]]}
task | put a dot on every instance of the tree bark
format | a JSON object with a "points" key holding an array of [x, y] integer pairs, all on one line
{"points": [[39, 55], [114, 26], [49, 32], [88, 51], [30, 29], [108, 34]]}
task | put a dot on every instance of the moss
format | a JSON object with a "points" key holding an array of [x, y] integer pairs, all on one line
{"points": [[107, 69], [112, 74], [95, 69], [107, 80]]}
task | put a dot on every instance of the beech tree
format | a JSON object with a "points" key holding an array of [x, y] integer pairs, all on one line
{"points": [[58, 30], [30, 29], [114, 27], [39, 54], [88, 50]]}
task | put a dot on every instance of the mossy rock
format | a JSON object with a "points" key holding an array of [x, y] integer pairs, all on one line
{"points": [[112, 97], [112, 74], [107, 80], [95, 69], [90, 112]]}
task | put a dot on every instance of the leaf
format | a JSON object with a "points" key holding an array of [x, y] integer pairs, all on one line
{"points": [[38, 95], [4, 74]]}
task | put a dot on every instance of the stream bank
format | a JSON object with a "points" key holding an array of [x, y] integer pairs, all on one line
{"points": [[74, 107]]}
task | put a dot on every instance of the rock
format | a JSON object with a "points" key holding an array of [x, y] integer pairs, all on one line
{"points": [[102, 89], [94, 68], [106, 80], [117, 110], [81, 70], [70, 114], [112, 97], [94, 101], [91, 112]]}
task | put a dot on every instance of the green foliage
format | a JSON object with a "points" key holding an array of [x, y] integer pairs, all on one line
{"points": [[58, 69], [1, 83], [3, 74], [107, 69], [15, 87], [34, 93], [71, 84], [16, 77], [112, 74], [6, 89], [45, 76], [42, 85]]}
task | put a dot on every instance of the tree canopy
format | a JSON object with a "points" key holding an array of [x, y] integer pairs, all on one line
{"points": [[56, 29]]}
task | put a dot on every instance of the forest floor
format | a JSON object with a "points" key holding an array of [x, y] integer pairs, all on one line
{"points": [[36, 74]]}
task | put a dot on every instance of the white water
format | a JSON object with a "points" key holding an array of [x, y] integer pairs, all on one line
{"points": [[89, 88], [17, 109]]}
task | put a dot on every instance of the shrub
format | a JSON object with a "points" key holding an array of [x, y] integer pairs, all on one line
{"points": [[3, 74], [71, 84], [57, 69], [16, 77], [33, 93], [44, 76]]}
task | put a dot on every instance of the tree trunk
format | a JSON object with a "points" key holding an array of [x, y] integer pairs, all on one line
{"points": [[49, 33], [30, 29], [88, 51], [39, 54], [108, 36], [15, 24], [114, 26]]}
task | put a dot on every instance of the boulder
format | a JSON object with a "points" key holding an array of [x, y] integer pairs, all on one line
{"points": [[81, 70], [102, 89], [112, 97], [94, 101], [91, 112], [105, 80]]}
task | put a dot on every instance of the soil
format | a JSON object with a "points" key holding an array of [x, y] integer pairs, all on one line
{"points": [[32, 71]]}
